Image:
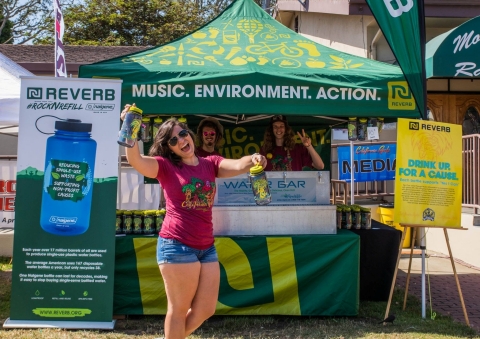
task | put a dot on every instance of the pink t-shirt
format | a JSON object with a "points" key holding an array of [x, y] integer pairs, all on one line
{"points": [[202, 153], [189, 194], [282, 160]]}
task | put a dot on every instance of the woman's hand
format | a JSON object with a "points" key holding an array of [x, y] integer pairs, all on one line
{"points": [[259, 159], [125, 111], [305, 139]]}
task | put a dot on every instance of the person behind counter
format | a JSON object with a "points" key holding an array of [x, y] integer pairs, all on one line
{"points": [[186, 253], [209, 135], [283, 153]]}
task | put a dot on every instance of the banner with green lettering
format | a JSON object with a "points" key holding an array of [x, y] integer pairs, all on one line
{"points": [[454, 54], [246, 62], [403, 23], [67, 170], [287, 275]]}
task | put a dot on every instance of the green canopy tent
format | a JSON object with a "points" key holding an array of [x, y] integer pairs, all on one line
{"points": [[245, 63], [454, 54]]}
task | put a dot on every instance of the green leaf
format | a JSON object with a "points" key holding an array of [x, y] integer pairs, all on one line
{"points": [[55, 175], [337, 58]]}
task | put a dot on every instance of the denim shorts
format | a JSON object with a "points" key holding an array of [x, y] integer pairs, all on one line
{"points": [[171, 251]]}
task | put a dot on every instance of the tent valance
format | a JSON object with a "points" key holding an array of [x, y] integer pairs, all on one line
{"points": [[245, 62], [454, 54]]}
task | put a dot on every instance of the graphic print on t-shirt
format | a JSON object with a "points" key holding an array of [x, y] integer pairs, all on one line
{"points": [[282, 163], [199, 194]]}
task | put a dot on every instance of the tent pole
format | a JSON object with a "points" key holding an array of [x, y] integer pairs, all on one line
{"points": [[352, 173]]}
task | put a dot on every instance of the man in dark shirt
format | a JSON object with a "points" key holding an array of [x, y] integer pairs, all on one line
{"points": [[209, 136]]}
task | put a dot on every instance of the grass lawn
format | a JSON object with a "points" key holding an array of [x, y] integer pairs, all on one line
{"points": [[407, 325]]}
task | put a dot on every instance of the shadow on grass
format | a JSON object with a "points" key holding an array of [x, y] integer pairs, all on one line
{"points": [[408, 324]]}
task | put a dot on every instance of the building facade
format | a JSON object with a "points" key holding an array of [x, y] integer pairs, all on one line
{"points": [[349, 26]]}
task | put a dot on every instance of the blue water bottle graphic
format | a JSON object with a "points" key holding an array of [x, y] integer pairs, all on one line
{"points": [[68, 179]]}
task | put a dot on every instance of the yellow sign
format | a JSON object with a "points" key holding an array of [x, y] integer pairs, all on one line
{"points": [[399, 96], [428, 175]]}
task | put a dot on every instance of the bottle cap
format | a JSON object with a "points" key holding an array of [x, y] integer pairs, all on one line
{"points": [[145, 119], [135, 109], [352, 118], [73, 125], [363, 119], [158, 120], [257, 169]]}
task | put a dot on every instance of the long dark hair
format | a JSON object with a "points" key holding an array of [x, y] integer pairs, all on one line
{"points": [[160, 144], [269, 138]]}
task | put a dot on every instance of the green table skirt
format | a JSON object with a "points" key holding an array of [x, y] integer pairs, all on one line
{"points": [[286, 275]]}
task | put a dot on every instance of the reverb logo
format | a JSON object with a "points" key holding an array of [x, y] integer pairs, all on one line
{"points": [[400, 97], [34, 93], [414, 125], [397, 8]]}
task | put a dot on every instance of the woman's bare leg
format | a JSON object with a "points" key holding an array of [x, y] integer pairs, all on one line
{"points": [[181, 282], [205, 300]]}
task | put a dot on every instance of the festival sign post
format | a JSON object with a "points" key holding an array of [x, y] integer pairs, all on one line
{"points": [[428, 185], [67, 170]]}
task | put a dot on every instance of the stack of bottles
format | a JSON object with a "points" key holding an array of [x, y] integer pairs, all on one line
{"points": [[357, 128], [353, 216], [139, 222]]}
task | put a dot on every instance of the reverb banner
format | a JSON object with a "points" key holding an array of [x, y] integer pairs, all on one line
{"points": [[428, 185], [67, 172], [371, 162], [401, 21]]}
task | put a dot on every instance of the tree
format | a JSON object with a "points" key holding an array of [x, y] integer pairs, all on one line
{"points": [[6, 36], [134, 22], [22, 21], [129, 22]]}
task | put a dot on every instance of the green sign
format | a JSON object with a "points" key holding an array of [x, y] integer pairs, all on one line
{"points": [[399, 21], [246, 137], [245, 62], [454, 54], [288, 275]]}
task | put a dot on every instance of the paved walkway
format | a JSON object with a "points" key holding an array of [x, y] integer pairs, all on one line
{"points": [[445, 297]]}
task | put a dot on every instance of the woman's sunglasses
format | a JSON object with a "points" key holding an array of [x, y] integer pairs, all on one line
{"points": [[211, 133], [174, 140]]}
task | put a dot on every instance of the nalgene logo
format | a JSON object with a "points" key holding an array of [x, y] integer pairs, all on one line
{"points": [[100, 107], [397, 8], [34, 93], [400, 97], [414, 125], [63, 220]]}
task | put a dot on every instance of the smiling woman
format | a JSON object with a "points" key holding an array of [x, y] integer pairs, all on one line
{"points": [[186, 254]]}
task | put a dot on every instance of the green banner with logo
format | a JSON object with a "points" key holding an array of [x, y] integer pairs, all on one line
{"points": [[287, 275], [246, 62], [402, 24], [64, 241], [454, 54], [246, 137]]}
